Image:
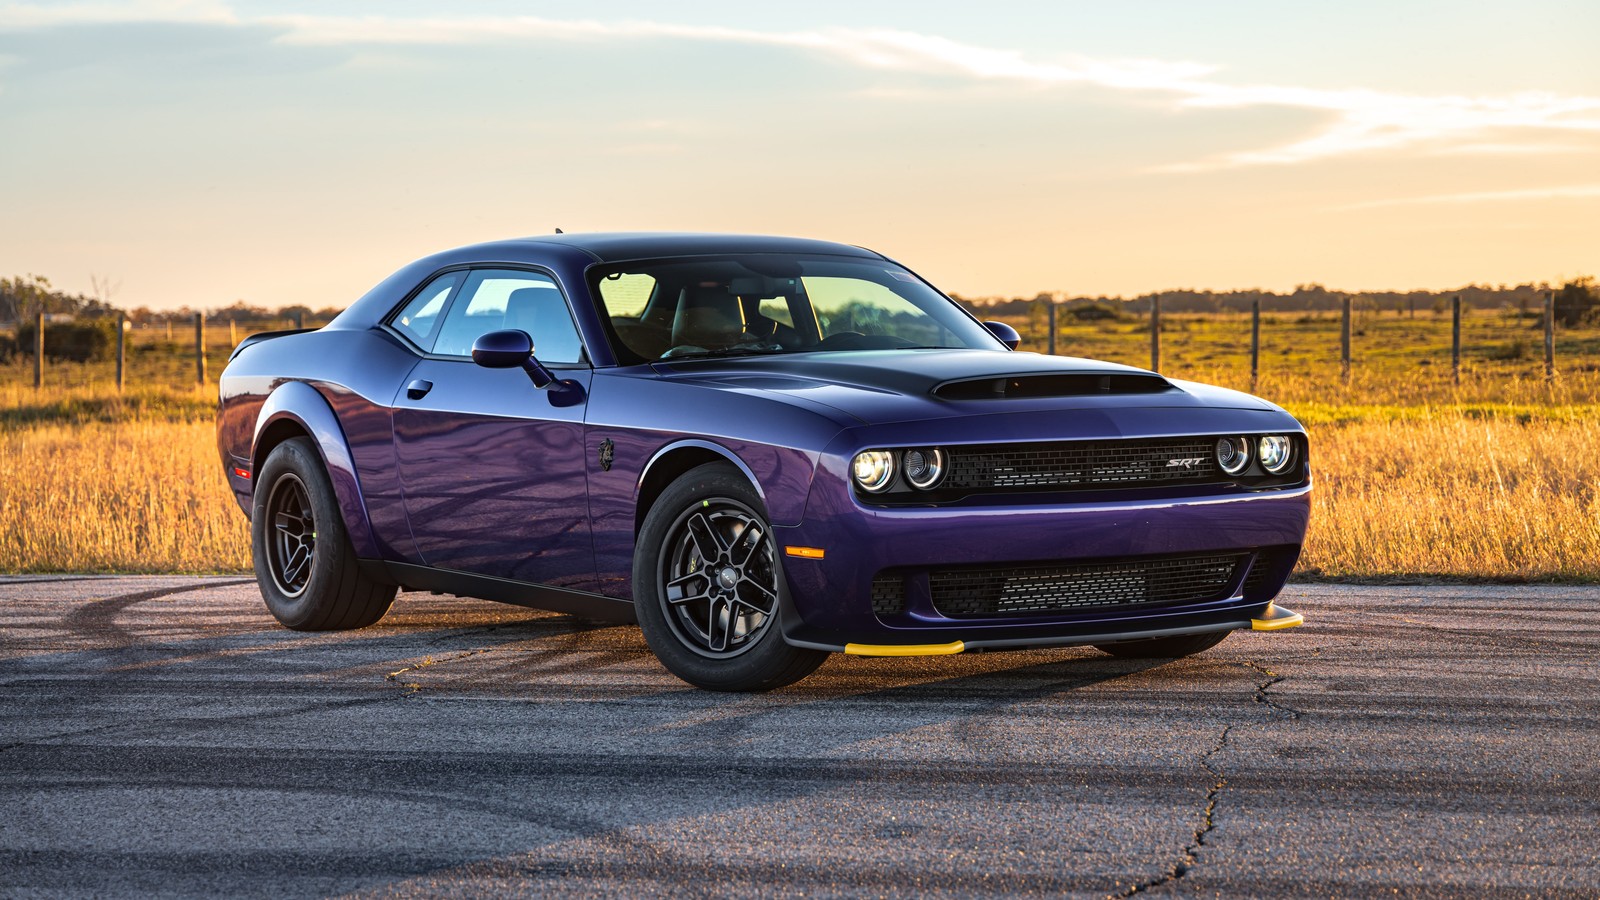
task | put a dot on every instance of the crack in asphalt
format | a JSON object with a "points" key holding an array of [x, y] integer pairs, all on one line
{"points": [[413, 687], [1191, 851], [1261, 696]]}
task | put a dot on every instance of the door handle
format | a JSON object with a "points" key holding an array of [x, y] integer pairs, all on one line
{"points": [[418, 389]]}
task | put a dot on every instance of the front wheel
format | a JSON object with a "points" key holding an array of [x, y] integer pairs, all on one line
{"points": [[1164, 647], [304, 563], [707, 584]]}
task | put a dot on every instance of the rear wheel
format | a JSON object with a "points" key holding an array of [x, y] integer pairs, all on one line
{"points": [[1164, 647], [707, 584], [304, 563]]}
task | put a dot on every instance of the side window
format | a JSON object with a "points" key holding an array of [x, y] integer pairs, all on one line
{"points": [[419, 319], [493, 299]]}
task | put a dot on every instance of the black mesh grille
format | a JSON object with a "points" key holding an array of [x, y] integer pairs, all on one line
{"points": [[888, 594], [1020, 591], [1065, 465], [1258, 573]]}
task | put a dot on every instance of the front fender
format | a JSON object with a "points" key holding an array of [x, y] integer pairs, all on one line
{"points": [[300, 403], [710, 446]]}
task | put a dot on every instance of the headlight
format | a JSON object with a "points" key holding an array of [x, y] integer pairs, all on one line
{"points": [[1277, 453], [1233, 454], [923, 468], [873, 469]]}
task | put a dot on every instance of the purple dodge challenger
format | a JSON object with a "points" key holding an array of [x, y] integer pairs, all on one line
{"points": [[763, 450]]}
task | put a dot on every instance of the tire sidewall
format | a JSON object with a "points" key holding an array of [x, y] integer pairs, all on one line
{"points": [[298, 457], [763, 664]]}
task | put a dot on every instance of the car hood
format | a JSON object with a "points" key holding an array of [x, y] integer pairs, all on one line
{"points": [[879, 387]]}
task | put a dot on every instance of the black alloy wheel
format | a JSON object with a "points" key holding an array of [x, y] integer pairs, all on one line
{"points": [[717, 578], [292, 547], [709, 588], [306, 568]]}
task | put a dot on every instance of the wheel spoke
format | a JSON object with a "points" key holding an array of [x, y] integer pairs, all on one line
{"points": [[678, 588], [756, 597], [294, 564], [748, 543], [289, 523], [706, 539], [719, 626]]}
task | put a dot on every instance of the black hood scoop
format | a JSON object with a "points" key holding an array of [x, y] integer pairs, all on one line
{"points": [[1054, 384]]}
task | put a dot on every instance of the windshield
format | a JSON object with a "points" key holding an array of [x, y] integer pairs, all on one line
{"points": [[747, 305]]}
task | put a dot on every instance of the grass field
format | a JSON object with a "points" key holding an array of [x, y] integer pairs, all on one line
{"points": [[1416, 477]]}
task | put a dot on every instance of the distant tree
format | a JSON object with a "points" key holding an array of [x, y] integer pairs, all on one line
{"points": [[1576, 301]]}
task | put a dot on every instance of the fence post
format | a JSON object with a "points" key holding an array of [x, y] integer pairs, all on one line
{"points": [[1050, 318], [1344, 340], [38, 351], [1255, 342], [299, 321], [122, 319], [199, 349], [233, 333], [1549, 335], [1155, 332], [1455, 340]]}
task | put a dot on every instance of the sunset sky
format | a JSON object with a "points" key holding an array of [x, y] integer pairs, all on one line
{"points": [[281, 152]]}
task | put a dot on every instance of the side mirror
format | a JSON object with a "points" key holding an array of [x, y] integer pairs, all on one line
{"points": [[1001, 330], [511, 349], [502, 349]]}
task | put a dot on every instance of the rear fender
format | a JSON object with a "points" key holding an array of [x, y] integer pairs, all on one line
{"points": [[299, 403]]}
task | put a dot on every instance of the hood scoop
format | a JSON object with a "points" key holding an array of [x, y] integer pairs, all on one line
{"points": [[1065, 384]]}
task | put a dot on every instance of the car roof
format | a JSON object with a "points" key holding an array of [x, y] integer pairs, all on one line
{"points": [[618, 246]]}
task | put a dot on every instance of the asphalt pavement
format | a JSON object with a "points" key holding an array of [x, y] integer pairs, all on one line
{"points": [[164, 736]]}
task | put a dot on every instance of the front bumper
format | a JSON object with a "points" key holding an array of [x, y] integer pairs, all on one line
{"points": [[829, 602]]}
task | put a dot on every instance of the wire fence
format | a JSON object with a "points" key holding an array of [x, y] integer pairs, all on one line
{"points": [[165, 354], [1248, 350]]}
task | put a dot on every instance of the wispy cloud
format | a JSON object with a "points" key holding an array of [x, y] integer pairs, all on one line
{"points": [[1352, 121], [1561, 192], [15, 16]]}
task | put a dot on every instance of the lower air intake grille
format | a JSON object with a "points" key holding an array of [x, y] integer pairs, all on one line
{"points": [[888, 595], [1021, 591], [1258, 573]]}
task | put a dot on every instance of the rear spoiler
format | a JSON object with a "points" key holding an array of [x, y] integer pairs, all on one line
{"points": [[260, 336]]}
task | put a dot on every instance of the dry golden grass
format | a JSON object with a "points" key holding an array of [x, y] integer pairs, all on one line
{"points": [[1450, 495], [139, 496], [1435, 494], [1495, 479]]}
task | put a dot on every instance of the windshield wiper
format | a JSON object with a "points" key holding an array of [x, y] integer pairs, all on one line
{"points": [[723, 353]]}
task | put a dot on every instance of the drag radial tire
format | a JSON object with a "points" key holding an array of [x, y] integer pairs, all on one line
{"points": [[304, 562], [707, 585], [1164, 647]]}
